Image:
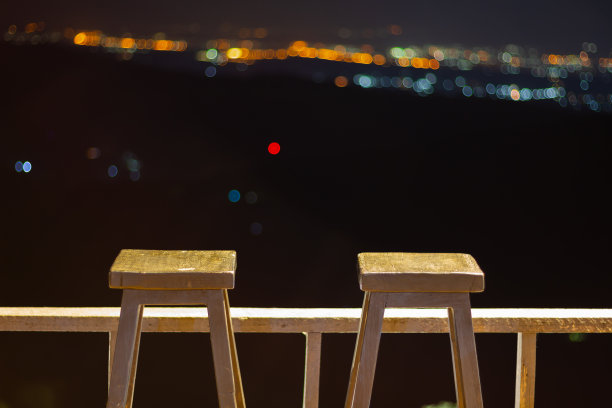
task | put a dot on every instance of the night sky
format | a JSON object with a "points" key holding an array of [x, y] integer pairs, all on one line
{"points": [[550, 25]]}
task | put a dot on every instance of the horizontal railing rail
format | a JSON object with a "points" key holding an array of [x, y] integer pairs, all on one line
{"points": [[527, 323]]}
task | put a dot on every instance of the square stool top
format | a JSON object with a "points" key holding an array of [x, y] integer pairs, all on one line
{"points": [[419, 272], [166, 270]]}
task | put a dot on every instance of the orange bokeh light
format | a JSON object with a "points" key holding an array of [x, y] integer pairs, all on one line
{"points": [[395, 29], [379, 59], [127, 42], [403, 62], [299, 45], [234, 53], [80, 38], [261, 32], [340, 81]]}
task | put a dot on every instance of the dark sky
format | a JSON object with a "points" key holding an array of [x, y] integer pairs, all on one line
{"points": [[553, 25]]}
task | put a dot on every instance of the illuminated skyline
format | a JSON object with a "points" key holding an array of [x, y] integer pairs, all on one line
{"points": [[558, 26], [578, 80]]}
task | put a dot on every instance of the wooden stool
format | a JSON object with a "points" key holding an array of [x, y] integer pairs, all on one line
{"points": [[417, 280], [174, 278]]}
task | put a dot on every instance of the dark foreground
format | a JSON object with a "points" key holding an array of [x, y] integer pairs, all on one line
{"points": [[523, 188]]}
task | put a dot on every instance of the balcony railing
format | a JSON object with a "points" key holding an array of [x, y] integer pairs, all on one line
{"points": [[527, 323]]}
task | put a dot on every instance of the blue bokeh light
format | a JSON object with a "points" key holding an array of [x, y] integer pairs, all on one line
{"points": [[112, 171], [233, 196], [365, 81], [256, 228], [210, 71]]}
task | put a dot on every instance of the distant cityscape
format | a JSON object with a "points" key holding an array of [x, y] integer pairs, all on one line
{"points": [[580, 80]]}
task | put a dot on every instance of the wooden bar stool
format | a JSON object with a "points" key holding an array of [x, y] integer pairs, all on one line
{"points": [[150, 277], [422, 281]]}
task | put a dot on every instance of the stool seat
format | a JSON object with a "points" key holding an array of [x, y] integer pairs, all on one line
{"points": [[154, 277], [420, 280], [160, 270], [419, 272]]}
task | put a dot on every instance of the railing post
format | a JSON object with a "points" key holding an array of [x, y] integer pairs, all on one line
{"points": [[312, 369], [525, 370], [112, 339]]}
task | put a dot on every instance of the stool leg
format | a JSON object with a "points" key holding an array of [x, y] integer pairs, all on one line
{"points": [[235, 366], [465, 360], [130, 397], [221, 349], [366, 351], [125, 358]]}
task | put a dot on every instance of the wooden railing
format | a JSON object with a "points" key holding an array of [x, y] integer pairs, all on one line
{"points": [[527, 323]]}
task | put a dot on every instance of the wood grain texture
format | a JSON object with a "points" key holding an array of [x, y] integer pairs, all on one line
{"points": [[525, 370], [366, 351], [465, 360], [112, 340], [125, 356], [312, 370], [155, 269], [350, 393], [419, 272], [425, 299], [240, 402], [299, 320], [221, 350], [170, 297]]}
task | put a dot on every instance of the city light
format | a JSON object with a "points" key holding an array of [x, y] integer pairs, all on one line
{"points": [[93, 153], [233, 196], [251, 197], [341, 81], [24, 167], [112, 171], [256, 228], [575, 80]]}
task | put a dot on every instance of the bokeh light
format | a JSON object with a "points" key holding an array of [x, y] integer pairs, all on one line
{"points": [[341, 81], [256, 228], [233, 196], [112, 171], [234, 53], [133, 164], [273, 148], [250, 46], [577, 337], [211, 54], [210, 71], [93, 153], [250, 197]]}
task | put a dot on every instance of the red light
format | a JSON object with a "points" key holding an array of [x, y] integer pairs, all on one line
{"points": [[273, 148]]}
